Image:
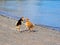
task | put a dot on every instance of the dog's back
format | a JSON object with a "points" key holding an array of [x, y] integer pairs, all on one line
{"points": [[29, 24]]}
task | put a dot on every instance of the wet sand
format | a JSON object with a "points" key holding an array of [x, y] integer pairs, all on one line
{"points": [[42, 36]]}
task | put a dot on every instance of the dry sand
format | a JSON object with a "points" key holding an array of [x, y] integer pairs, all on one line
{"points": [[42, 36]]}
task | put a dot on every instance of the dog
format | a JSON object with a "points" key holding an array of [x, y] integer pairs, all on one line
{"points": [[29, 25], [19, 23]]}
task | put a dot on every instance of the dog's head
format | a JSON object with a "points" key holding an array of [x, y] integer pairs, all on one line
{"points": [[27, 19], [22, 18]]}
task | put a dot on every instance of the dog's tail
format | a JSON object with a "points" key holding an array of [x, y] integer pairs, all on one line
{"points": [[16, 23], [33, 25]]}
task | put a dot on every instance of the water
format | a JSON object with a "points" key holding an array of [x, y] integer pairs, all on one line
{"points": [[39, 12]]}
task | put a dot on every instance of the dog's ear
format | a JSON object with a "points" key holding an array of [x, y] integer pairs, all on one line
{"points": [[22, 18], [27, 19]]}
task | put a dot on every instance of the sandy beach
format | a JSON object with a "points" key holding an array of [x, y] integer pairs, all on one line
{"points": [[42, 36]]}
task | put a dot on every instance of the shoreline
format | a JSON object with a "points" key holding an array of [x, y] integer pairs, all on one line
{"points": [[49, 27], [44, 26]]}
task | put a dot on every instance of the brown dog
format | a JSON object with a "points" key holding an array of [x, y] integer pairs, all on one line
{"points": [[29, 25]]}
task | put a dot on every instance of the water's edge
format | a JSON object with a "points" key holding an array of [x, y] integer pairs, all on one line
{"points": [[44, 26]]}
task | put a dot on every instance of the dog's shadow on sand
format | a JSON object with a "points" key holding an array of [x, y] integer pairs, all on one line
{"points": [[28, 31]]}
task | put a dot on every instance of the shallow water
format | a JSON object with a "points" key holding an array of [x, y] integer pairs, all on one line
{"points": [[39, 12]]}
